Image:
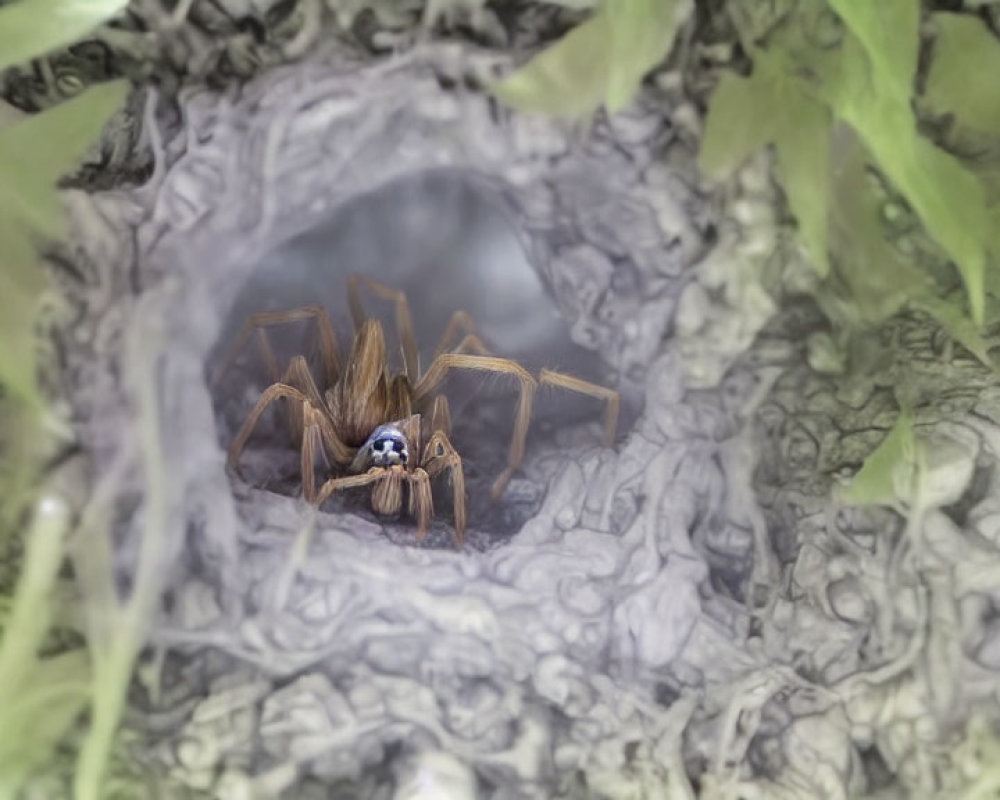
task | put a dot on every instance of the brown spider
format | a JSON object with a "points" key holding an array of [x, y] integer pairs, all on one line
{"points": [[369, 424]]}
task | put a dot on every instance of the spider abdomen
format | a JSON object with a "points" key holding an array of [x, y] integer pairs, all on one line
{"points": [[360, 399]]}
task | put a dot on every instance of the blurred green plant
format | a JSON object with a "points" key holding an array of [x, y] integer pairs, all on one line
{"points": [[599, 62], [961, 77], [836, 65], [889, 474], [40, 695], [771, 106], [32, 28]]}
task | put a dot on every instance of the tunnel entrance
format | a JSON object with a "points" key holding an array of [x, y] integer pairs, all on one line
{"points": [[449, 245]]}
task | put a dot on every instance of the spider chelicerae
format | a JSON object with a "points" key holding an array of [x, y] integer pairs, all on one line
{"points": [[384, 430]]}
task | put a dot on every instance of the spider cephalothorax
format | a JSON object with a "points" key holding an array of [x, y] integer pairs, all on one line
{"points": [[390, 431], [386, 447]]}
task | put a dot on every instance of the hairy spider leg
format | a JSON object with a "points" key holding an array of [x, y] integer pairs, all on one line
{"points": [[400, 397], [447, 361], [404, 323], [316, 421], [320, 440], [348, 482], [360, 400], [268, 396], [460, 322], [312, 431], [262, 320], [440, 415], [312, 446], [299, 377], [440, 455], [470, 343], [387, 494], [611, 398], [421, 500]]}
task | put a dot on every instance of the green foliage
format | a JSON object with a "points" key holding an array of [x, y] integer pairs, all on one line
{"points": [[601, 61], [30, 28], [40, 696], [44, 708], [889, 474], [772, 106], [867, 82], [961, 87], [34, 152], [873, 93], [888, 32], [962, 76], [876, 279]]}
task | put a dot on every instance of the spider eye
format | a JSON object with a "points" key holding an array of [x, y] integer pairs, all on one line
{"points": [[378, 445], [397, 446]]}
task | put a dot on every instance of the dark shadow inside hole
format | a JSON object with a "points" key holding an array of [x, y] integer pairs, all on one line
{"points": [[449, 244]]}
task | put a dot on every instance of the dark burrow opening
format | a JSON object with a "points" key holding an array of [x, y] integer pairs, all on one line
{"points": [[449, 244]]}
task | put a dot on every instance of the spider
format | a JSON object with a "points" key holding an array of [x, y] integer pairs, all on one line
{"points": [[384, 430]]}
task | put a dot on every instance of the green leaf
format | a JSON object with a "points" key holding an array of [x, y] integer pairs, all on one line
{"points": [[31, 28], [949, 199], [31, 614], [956, 322], [641, 34], [890, 472], [878, 278], [962, 77], [772, 106], [803, 149], [566, 79], [741, 120], [42, 711], [889, 30], [38, 699], [34, 153], [601, 61], [18, 304]]}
